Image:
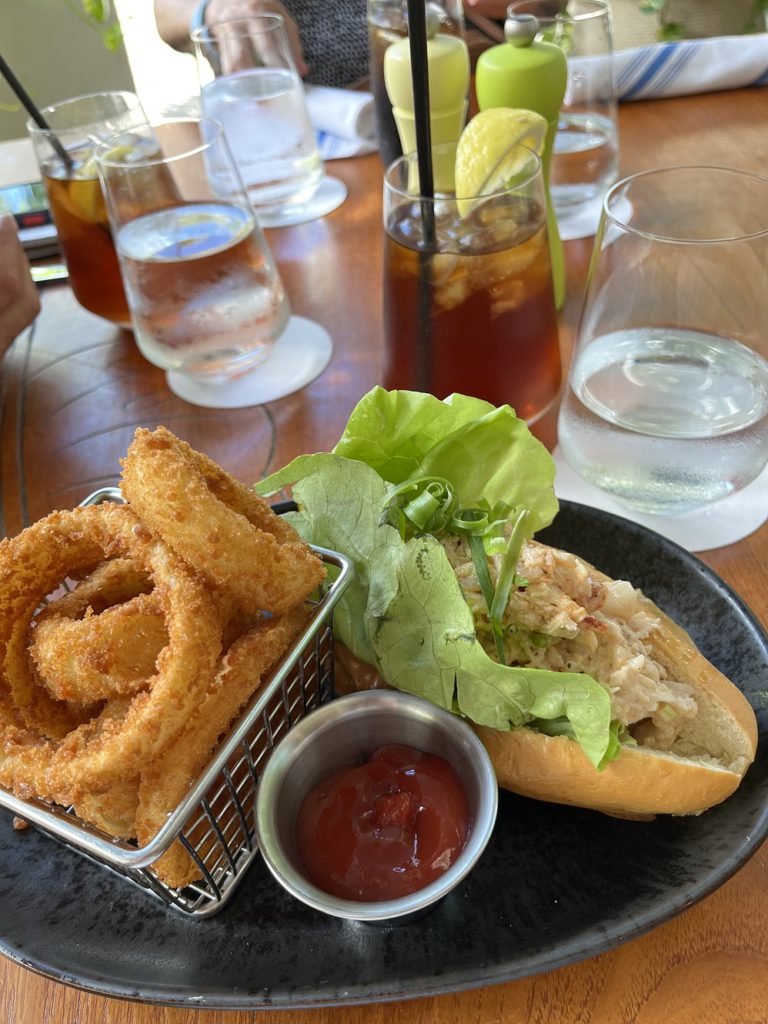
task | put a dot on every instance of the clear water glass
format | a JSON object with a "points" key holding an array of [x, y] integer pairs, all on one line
{"points": [[249, 85], [203, 290], [585, 157], [666, 407]]}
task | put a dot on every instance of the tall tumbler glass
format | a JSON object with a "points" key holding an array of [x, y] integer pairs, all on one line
{"points": [[468, 306], [387, 23], [250, 85], [204, 292], [585, 158], [667, 403], [74, 193]]}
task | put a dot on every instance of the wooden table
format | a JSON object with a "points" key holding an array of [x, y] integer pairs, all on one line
{"points": [[72, 395]]}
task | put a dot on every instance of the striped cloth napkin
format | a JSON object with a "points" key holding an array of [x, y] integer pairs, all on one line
{"points": [[691, 66]]}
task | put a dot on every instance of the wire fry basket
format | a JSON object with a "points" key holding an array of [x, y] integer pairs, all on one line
{"points": [[215, 821]]}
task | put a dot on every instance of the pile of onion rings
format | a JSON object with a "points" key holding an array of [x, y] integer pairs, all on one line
{"points": [[114, 695]]}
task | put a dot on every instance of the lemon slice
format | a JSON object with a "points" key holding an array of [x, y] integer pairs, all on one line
{"points": [[487, 155], [86, 199], [84, 190]]}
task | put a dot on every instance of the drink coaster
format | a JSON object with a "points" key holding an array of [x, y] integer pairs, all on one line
{"points": [[300, 354], [583, 219], [711, 526], [329, 195]]}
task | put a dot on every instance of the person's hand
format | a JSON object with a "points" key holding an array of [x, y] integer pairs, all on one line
{"points": [[19, 300], [219, 12]]}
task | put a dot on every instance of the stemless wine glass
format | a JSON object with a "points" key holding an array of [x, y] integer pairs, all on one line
{"points": [[667, 403], [250, 85], [204, 293], [77, 125]]}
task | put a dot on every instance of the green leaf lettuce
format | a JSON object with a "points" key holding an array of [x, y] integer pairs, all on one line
{"points": [[404, 613]]}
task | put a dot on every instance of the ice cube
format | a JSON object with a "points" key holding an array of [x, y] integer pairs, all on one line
{"points": [[496, 268], [443, 264], [507, 297], [450, 279], [451, 295], [505, 221]]}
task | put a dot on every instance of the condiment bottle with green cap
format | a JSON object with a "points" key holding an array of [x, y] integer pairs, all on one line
{"points": [[448, 68], [531, 75]]}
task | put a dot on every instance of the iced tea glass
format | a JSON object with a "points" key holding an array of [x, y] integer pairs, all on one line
{"points": [[471, 309], [75, 198], [204, 292]]}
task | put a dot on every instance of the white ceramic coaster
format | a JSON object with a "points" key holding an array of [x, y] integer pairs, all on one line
{"points": [[301, 353], [580, 222], [712, 526], [330, 194], [583, 220]]}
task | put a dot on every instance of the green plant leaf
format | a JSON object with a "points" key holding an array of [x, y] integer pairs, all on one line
{"points": [[96, 9]]}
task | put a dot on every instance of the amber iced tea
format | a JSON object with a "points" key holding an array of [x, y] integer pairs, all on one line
{"points": [[473, 311], [79, 211], [65, 155]]}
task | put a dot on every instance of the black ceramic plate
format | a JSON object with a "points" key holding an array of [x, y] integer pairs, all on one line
{"points": [[554, 886]]}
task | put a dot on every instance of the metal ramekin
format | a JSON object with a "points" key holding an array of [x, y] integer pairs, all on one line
{"points": [[348, 730]]}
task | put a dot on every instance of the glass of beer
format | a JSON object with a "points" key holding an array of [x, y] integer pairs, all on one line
{"points": [[206, 299], [468, 299], [77, 126]]}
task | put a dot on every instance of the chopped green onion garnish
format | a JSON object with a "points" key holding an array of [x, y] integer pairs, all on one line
{"points": [[508, 566], [475, 542]]}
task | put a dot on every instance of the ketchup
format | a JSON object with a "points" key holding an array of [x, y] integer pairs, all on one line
{"points": [[385, 828]]}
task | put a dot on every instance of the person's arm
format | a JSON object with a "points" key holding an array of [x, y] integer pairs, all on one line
{"points": [[498, 8], [174, 18], [19, 300]]}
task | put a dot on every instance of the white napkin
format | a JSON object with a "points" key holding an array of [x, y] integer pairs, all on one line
{"points": [[691, 66], [343, 120]]}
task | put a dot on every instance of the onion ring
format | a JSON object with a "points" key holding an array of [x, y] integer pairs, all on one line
{"points": [[36, 708], [101, 752], [114, 810], [99, 656], [112, 582], [216, 524], [165, 781]]}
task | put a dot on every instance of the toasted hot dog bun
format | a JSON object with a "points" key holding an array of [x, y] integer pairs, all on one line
{"points": [[705, 765]]}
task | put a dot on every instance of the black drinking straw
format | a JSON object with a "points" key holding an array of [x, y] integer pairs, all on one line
{"points": [[417, 36], [34, 113]]}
